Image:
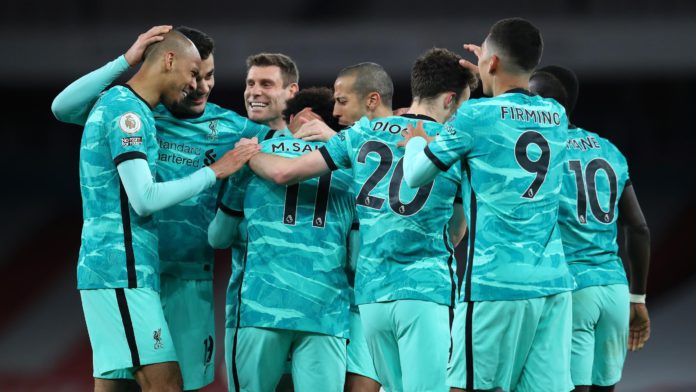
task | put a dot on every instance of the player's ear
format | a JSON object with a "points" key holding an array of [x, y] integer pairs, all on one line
{"points": [[169, 60], [449, 100], [373, 101], [293, 88], [493, 64]]}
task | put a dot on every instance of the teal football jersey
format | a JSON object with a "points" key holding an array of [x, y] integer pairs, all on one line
{"points": [[294, 271], [405, 250], [513, 148], [595, 176], [186, 145], [119, 247]]}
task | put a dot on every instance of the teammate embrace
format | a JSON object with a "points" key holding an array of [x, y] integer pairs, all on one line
{"points": [[343, 244]]}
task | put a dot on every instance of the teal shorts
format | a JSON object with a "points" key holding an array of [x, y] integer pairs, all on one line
{"points": [[409, 341], [127, 330], [600, 334], [359, 359], [318, 361], [188, 309], [521, 345]]}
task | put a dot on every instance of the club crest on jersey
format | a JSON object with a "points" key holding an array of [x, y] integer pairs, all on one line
{"points": [[213, 130], [157, 335], [130, 123]]}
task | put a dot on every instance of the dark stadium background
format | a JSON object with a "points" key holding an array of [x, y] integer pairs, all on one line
{"points": [[636, 61]]}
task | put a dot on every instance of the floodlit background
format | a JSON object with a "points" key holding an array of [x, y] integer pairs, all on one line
{"points": [[636, 61]]}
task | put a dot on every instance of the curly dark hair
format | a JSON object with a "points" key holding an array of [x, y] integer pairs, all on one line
{"points": [[520, 40], [203, 42], [320, 99], [438, 71]]}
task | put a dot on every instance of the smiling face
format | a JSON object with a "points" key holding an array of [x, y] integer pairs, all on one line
{"points": [[181, 76], [195, 101], [265, 95]]}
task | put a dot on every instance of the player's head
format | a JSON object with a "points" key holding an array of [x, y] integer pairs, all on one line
{"points": [[194, 103], [558, 83], [513, 47], [439, 81], [272, 79], [176, 62], [320, 99], [360, 90]]}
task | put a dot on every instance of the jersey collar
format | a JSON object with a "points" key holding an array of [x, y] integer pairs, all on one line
{"points": [[519, 90], [418, 117], [137, 95]]}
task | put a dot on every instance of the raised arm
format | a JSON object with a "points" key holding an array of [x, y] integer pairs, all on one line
{"points": [[637, 243], [73, 104]]}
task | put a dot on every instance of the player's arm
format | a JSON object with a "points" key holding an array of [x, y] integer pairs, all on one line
{"points": [[223, 228], [287, 171], [147, 196], [418, 168], [73, 104], [637, 235], [457, 223]]}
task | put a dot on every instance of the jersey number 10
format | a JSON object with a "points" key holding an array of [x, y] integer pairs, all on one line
{"points": [[591, 190]]}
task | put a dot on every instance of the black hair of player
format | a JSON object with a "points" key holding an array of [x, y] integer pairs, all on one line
{"points": [[438, 71], [370, 78], [320, 99], [520, 40], [565, 80], [203, 42]]}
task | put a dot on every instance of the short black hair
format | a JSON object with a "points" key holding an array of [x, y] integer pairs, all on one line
{"points": [[320, 99], [559, 83], [370, 78], [438, 71], [288, 68], [203, 42], [520, 40]]}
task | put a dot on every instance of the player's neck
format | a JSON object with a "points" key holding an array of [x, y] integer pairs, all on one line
{"points": [[277, 124], [381, 112], [146, 88], [426, 108], [503, 83]]}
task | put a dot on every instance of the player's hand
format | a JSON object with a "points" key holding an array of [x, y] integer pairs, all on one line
{"points": [[639, 327], [400, 111], [134, 55], [476, 50], [315, 130], [302, 117], [410, 132], [244, 141], [233, 160]]}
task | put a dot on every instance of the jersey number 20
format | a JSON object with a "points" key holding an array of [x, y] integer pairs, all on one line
{"points": [[386, 159]]}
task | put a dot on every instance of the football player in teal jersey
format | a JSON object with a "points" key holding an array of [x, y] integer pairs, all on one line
{"points": [[513, 319], [363, 89], [191, 134], [597, 194], [294, 297], [118, 268], [405, 273]]}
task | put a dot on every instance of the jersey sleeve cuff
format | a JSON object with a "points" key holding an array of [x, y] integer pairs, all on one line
{"points": [[327, 157], [126, 156], [435, 160], [122, 63], [231, 212]]}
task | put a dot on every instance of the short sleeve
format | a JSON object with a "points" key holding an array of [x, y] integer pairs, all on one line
{"points": [[128, 130], [254, 129], [232, 201], [455, 141], [336, 151]]}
